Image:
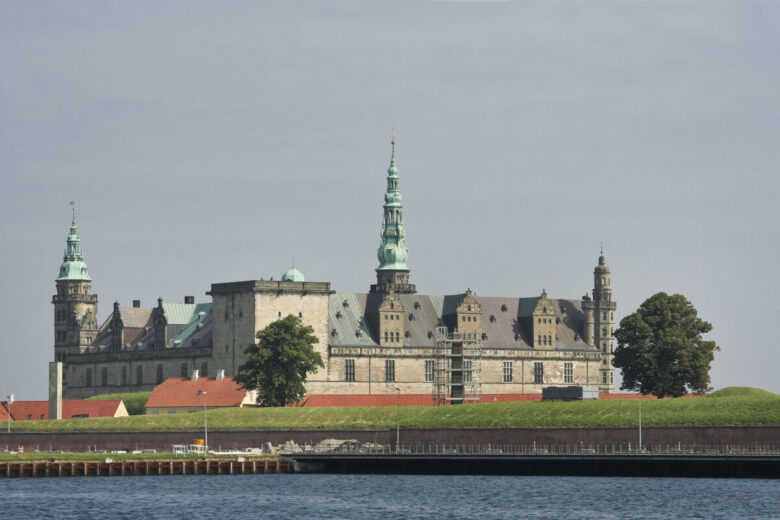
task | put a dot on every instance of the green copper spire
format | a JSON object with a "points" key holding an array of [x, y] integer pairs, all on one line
{"points": [[392, 252], [73, 266]]}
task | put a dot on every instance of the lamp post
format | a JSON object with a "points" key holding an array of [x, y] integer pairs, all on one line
{"points": [[205, 424], [398, 419], [10, 398], [640, 420]]}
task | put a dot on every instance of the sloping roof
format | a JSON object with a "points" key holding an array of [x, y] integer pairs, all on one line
{"points": [[38, 410], [189, 325], [178, 392], [506, 322]]}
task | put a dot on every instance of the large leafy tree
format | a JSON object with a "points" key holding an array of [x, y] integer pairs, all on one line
{"points": [[660, 349], [279, 362]]}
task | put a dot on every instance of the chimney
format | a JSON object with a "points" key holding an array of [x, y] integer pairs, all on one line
{"points": [[220, 375], [189, 299], [195, 375], [136, 304], [55, 390]]}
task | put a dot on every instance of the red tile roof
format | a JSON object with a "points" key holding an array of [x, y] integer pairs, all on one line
{"points": [[37, 410], [178, 392]]}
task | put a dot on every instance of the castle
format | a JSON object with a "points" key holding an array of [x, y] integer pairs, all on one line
{"points": [[457, 348]]}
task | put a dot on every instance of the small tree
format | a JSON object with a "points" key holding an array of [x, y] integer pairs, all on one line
{"points": [[279, 362], [660, 349]]}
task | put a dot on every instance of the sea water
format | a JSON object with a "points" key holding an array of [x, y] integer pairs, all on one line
{"points": [[387, 496]]}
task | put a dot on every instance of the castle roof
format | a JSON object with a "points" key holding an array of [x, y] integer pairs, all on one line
{"points": [[506, 322], [189, 325]]}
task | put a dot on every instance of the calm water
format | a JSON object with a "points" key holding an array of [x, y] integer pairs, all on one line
{"points": [[387, 496]]}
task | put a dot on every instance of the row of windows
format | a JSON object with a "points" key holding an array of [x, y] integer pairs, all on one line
{"points": [[604, 316], [606, 381], [543, 320], [139, 374], [389, 336], [468, 318], [468, 370], [392, 317], [544, 339]]}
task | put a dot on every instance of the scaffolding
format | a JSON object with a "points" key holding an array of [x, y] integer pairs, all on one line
{"points": [[457, 374]]}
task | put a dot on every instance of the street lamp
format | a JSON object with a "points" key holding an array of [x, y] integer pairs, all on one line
{"points": [[10, 398], [398, 419], [205, 424], [640, 420]]}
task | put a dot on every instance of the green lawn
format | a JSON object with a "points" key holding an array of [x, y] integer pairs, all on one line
{"points": [[730, 406], [134, 401]]}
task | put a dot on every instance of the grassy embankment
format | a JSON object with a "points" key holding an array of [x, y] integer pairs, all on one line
{"points": [[730, 406]]}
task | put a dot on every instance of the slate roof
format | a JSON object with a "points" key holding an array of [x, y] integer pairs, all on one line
{"points": [[38, 410], [506, 322], [189, 325], [178, 392]]}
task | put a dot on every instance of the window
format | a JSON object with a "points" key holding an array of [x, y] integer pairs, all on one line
{"points": [[184, 370], [568, 373], [429, 370], [611, 377], [349, 370], [468, 370], [88, 377], [604, 347], [104, 376], [604, 378], [139, 375], [159, 373], [538, 373], [604, 316], [397, 336], [124, 376], [507, 373], [204, 369], [539, 339], [300, 315], [604, 332], [389, 370], [386, 336]]}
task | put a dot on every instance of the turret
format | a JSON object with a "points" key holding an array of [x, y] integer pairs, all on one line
{"points": [[392, 273], [602, 322]]}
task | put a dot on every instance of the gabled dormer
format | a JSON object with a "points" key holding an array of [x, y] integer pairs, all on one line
{"points": [[117, 329], [391, 321], [544, 323], [160, 326], [469, 314]]}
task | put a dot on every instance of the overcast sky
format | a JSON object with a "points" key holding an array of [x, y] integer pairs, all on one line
{"points": [[212, 142]]}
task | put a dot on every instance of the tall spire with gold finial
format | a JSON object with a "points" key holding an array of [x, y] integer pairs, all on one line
{"points": [[393, 273]]}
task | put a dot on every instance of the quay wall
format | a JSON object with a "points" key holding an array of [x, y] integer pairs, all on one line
{"points": [[747, 436]]}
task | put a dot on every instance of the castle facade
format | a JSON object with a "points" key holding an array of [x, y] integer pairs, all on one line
{"points": [[456, 347]]}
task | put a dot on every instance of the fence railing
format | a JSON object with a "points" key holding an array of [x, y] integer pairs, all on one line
{"points": [[537, 449]]}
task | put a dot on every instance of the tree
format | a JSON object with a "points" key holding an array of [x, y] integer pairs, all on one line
{"points": [[279, 362], [660, 349]]}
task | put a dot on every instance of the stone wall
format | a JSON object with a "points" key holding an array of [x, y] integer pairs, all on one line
{"points": [[749, 436]]}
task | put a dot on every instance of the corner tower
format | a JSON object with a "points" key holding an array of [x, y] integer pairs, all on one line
{"points": [[75, 308], [600, 322], [392, 275]]}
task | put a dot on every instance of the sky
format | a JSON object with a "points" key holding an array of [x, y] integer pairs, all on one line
{"points": [[208, 142]]}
